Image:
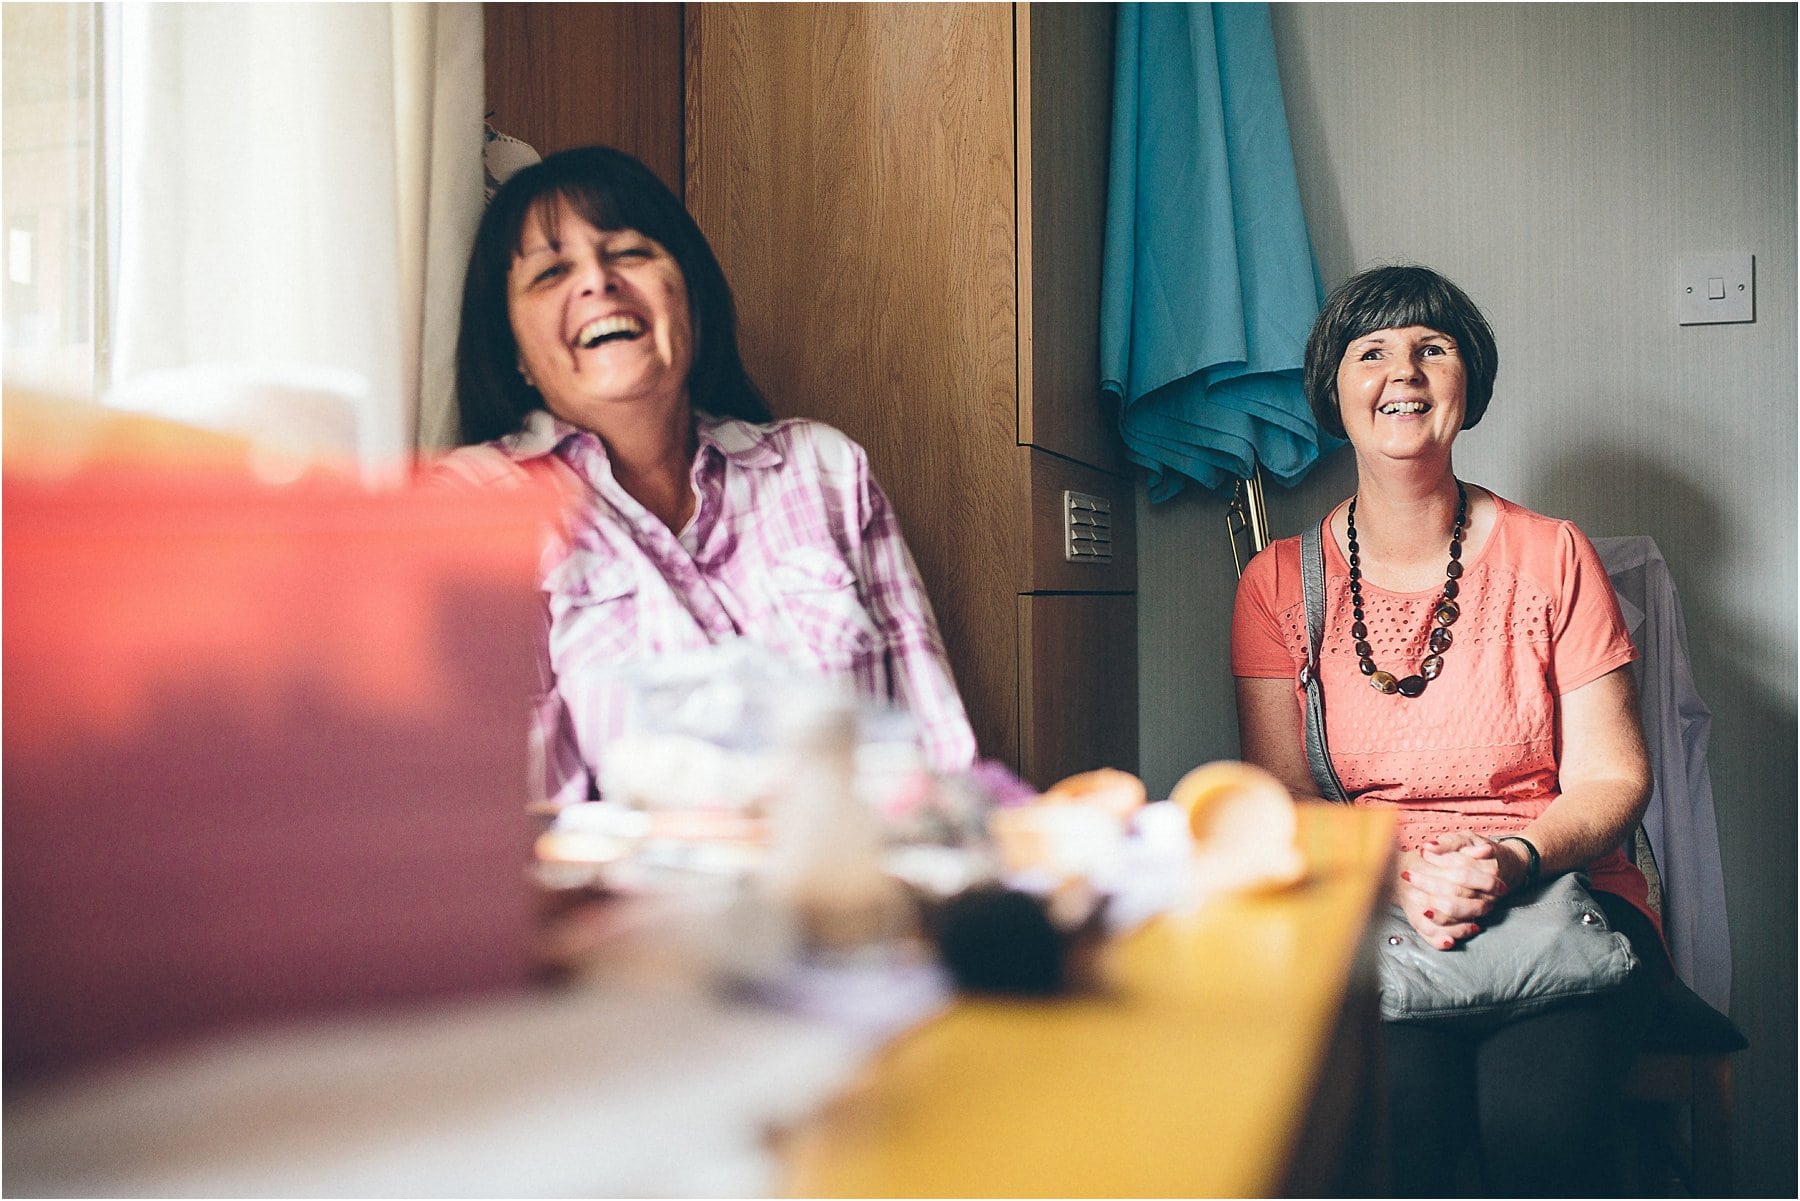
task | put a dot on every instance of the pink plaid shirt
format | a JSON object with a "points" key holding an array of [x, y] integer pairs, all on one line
{"points": [[792, 543]]}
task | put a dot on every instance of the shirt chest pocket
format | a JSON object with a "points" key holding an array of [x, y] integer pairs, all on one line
{"points": [[819, 605], [593, 611]]}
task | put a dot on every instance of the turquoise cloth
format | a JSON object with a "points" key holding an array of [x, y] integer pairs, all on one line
{"points": [[1210, 286]]}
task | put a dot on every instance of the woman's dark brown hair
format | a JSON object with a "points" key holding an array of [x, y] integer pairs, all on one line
{"points": [[1394, 298], [611, 190]]}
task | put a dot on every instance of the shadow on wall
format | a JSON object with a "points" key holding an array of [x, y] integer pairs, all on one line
{"points": [[1751, 759]]}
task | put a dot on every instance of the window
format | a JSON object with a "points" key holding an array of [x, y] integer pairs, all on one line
{"points": [[50, 162], [205, 203]]}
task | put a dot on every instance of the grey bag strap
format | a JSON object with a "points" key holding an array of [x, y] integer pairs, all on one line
{"points": [[1312, 585]]}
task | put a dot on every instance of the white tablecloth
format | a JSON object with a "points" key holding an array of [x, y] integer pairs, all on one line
{"points": [[632, 1082]]}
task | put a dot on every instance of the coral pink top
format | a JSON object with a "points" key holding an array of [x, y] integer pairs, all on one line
{"points": [[1478, 749]]}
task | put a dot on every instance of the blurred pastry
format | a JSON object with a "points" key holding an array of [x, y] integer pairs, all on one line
{"points": [[1118, 792], [1244, 824]]}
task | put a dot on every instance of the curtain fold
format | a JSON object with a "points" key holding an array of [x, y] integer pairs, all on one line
{"points": [[1210, 285], [297, 189]]}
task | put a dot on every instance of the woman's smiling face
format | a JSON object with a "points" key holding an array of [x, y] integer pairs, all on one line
{"points": [[601, 317], [1402, 391]]}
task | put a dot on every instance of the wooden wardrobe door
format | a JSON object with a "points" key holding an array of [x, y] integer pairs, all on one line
{"points": [[553, 80], [1078, 662], [1065, 125], [853, 167]]}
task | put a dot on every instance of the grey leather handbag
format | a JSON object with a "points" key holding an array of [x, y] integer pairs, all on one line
{"points": [[1547, 944]]}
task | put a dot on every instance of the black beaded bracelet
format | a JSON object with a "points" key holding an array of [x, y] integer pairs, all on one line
{"points": [[1532, 862]]}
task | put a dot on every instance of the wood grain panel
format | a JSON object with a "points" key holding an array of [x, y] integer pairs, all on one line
{"points": [[1065, 106], [853, 167], [1078, 672], [1050, 570], [561, 75]]}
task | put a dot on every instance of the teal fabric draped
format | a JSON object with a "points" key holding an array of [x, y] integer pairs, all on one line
{"points": [[1209, 285]]}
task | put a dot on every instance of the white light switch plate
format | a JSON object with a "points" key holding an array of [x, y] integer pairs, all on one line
{"points": [[1700, 277]]}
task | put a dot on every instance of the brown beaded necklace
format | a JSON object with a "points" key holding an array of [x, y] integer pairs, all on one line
{"points": [[1443, 616]]}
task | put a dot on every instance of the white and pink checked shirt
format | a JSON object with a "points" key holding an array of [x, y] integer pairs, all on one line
{"points": [[792, 543]]}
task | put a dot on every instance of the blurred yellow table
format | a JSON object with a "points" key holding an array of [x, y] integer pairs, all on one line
{"points": [[1231, 1052]]}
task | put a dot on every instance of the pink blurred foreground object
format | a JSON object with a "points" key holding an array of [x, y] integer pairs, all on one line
{"points": [[265, 752]]}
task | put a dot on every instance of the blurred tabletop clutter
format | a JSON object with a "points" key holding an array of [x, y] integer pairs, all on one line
{"points": [[284, 917], [262, 741], [1202, 1049], [1224, 1051]]}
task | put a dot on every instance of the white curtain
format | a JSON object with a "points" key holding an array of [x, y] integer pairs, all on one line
{"points": [[297, 188]]}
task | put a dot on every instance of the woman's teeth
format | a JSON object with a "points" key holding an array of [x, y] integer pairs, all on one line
{"points": [[1404, 406], [603, 328]]}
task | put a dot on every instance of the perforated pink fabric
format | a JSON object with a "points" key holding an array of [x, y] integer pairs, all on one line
{"points": [[1477, 751]]}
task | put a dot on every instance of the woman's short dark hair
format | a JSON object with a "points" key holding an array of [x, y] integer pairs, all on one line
{"points": [[1393, 298], [611, 190]]}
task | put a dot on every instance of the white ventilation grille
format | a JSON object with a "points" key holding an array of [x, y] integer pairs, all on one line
{"points": [[1087, 528]]}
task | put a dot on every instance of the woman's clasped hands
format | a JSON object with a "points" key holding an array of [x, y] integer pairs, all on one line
{"points": [[1449, 886]]}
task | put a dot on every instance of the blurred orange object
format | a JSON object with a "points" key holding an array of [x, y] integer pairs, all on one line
{"points": [[1244, 821], [55, 437], [1119, 792], [265, 748]]}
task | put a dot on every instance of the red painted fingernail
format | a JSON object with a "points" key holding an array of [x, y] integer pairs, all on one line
{"points": [[1407, 876], [1448, 943], [1477, 928], [1430, 916]]}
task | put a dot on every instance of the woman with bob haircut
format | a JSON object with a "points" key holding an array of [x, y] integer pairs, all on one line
{"points": [[1477, 685], [598, 352]]}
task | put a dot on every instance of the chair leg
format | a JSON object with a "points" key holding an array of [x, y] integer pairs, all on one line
{"points": [[1712, 1126], [1656, 1150]]}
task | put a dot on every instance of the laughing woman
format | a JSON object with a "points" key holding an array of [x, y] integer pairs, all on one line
{"points": [[1477, 686], [598, 350]]}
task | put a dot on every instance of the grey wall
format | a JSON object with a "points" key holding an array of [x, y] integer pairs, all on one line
{"points": [[1556, 160]]}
